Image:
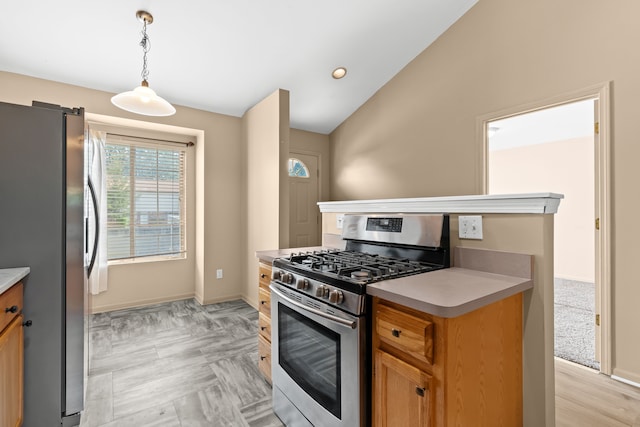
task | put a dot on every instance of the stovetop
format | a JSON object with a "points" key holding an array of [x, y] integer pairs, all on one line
{"points": [[359, 267], [377, 248]]}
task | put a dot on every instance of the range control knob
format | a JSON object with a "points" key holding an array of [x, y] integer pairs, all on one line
{"points": [[276, 275], [287, 278], [321, 290], [302, 284], [336, 297]]}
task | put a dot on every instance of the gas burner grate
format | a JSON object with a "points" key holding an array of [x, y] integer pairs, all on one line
{"points": [[358, 267]]}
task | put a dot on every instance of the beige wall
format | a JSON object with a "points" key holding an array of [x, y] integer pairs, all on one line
{"points": [[217, 216], [417, 135], [265, 129], [563, 167]]}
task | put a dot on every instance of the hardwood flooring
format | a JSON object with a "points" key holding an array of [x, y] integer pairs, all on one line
{"points": [[181, 364], [585, 398]]}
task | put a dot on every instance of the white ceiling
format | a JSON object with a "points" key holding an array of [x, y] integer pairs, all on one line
{"points": [[225, 56]]}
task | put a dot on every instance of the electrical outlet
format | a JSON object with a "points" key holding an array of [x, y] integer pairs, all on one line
{"points": [[470, 227], [219, 273], [339, 221]]}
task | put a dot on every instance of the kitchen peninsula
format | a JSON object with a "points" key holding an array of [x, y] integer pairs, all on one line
{"points": [[447, 345], [518, 223]]}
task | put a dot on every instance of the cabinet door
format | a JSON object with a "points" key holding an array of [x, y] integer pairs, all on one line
{"points": [[402, 393], [11, 374], [264, 354]]}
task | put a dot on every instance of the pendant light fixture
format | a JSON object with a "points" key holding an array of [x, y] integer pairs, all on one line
{"points": [[143, 100]]}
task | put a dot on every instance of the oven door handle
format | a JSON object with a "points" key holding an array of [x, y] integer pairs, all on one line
{"points": [[350, 323]]}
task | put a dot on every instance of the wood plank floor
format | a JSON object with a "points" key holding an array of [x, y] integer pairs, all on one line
{"points": [[585, 398], [182, 364]]}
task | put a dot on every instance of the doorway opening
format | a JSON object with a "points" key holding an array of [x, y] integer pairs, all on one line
{"points": [[558, 147]]}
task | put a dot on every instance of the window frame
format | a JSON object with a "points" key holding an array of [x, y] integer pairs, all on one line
{"points": [[140, 141]]}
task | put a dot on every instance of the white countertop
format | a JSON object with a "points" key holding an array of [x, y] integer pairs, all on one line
{"points": [[11, 276]]}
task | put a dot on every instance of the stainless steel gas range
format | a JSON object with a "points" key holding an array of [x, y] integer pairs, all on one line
{"points": [[320, 324]]}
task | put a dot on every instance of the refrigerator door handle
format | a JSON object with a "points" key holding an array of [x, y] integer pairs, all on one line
{"points": [[96, 236]]}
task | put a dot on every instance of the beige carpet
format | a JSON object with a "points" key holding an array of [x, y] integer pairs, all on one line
{"points": [[574, 317]]}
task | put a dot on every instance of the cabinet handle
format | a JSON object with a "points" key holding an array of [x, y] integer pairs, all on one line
{"points": [[262, 276], [27, 324], [263, 302], [262, 328], [263, 357], [12, 309], [395, 332], [420, 391]]}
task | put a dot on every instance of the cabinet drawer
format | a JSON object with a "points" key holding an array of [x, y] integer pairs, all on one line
{"points": [[264, 302], [11, 298], [264, 357], [264, 275], [407, 333], [264, 323]]}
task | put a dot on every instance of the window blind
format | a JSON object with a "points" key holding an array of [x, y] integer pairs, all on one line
{"points": [[145, 197]]}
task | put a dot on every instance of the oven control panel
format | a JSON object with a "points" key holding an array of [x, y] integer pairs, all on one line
{"points": [[345, 300], [390, 225]]}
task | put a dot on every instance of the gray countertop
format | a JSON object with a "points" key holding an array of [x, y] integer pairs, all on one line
{"points": [[450, 292], [10, 276], [479, 277]]}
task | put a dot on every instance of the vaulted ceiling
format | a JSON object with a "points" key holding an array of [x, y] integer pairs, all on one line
{"points": [[225, 56]]}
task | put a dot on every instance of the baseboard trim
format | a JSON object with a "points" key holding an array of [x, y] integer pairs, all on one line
{"points": [[626, 381], [221, 299], [139, 303]]}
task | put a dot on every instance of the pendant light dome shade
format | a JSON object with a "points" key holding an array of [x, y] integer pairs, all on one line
{"points": [[143, 100]]}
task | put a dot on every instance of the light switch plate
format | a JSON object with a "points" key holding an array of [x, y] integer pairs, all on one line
{"points": [[470, 227], [219, 273], [339, 221]]}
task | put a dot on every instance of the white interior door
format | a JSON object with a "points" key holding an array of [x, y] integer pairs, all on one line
{"points": [[304, 226]]}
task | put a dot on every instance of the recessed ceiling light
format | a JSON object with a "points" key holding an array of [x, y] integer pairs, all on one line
{"points": [[339, 73]]}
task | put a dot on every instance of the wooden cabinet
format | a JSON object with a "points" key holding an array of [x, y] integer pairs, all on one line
{"points": [[403, 393], [445, 372], [264, 319], [11, 357]]}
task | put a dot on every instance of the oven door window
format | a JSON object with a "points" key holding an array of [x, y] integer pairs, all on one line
{"points": [[310, 354]]}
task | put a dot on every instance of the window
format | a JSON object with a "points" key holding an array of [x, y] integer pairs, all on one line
{"points": [[145, 183], [298, 168]]}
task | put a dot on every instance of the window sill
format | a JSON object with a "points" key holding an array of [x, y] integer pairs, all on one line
{"points": [[142, 260]]}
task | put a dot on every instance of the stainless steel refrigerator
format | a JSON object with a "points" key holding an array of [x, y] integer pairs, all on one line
{"points": [[42, 226]]}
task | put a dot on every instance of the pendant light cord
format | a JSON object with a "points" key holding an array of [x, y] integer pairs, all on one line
{"points": [[145, 43]]}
